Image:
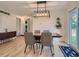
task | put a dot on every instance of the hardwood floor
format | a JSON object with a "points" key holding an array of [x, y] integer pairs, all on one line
{"points": [[15, 48]]}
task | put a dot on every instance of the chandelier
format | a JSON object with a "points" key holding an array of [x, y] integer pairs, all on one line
{"points": [[41, 12]]}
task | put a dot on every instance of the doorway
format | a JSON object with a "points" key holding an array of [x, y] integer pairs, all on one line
{"points": [[18, 21]]}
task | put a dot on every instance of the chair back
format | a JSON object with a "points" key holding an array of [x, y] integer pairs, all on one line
{"points": [[46, 31], [37, 31], [29, 38], [46, 38]]}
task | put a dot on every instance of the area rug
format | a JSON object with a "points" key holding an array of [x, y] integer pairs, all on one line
{"points": [[68, 51]]}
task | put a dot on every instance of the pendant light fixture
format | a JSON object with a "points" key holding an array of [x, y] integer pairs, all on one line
{"points": [[41, 12]]}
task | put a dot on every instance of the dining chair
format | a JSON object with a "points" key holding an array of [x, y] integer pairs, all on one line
{"points": [[37, 31], [29, 40], [46, 31], [46, 40]]}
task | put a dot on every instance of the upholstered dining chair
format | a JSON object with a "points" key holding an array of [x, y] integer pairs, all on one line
{"points": [[46, 40], [37, 31], [29, 40], [46, 31]]}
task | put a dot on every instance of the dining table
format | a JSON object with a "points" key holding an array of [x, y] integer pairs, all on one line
{"points": [[38, 36]]}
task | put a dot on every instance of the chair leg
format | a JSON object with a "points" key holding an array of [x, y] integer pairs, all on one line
{"points": [[41, 49], [25, 48], [34, 49], [51, 50]]}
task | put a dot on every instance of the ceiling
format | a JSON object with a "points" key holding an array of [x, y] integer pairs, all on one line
{"points": [[23, 8]]}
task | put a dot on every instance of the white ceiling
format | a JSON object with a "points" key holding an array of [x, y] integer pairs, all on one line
{"points": [[27, 7]]}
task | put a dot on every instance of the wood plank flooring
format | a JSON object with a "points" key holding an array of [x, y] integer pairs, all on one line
{"points": [[15, 48]]}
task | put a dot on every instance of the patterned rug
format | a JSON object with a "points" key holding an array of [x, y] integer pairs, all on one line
{"points": [[68, 51]]}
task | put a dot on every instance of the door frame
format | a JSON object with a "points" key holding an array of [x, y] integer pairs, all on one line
{"points": [[18, 26]]}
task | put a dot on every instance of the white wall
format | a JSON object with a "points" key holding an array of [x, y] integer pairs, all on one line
{"points": [[7, 21], [44, 23]]}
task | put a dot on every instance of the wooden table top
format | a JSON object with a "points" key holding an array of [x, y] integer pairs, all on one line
{"points": [[53, 35]]}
